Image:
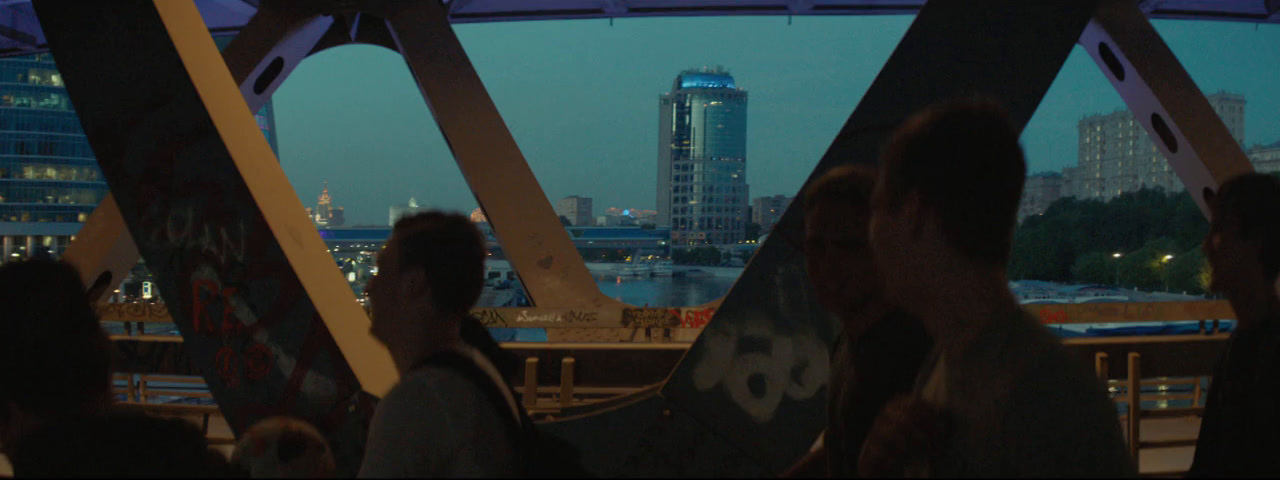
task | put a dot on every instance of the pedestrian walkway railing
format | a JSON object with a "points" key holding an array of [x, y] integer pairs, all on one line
{"points": [[162, 395], [1161, 377], [594, 359]]}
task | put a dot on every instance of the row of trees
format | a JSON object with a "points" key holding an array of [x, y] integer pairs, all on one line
{"points": [[1156, 234]]}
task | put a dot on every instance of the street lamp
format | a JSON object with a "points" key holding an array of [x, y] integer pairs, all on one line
{"points": [[1117, 256], [1164, 267]]}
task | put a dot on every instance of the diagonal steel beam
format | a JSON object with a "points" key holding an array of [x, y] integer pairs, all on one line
{"points": [[550, 267], [261, 56], [266, 317], [770, 401], [1163, 98]]}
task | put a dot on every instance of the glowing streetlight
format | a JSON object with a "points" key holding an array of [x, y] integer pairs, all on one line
{"points": [[1117, 256], [1165, 269]]}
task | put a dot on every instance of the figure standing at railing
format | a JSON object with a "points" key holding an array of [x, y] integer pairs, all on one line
{"points": [[999, 396], [1240, 432], [436, 422], [881, 348]]}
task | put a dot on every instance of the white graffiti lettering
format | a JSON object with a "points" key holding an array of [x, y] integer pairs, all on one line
{"points": [[758, 380]]}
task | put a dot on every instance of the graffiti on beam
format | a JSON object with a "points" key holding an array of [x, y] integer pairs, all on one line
{"points": [[489, 317], [248, 324], [181, 230], [667, 317], [567, 316], [756, 366], [1109, 312], [133, 312], [697, 317], [650, 317]]}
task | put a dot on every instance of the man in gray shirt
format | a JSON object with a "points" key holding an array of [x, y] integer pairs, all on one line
{"points": [[998, 397], [436, 422]]}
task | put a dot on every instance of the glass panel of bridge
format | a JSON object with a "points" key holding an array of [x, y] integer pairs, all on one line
{"points": [[362, 149], [740, 108], [1103, 216]]}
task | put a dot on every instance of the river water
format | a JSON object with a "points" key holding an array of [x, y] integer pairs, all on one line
{"points": [[664, 291]]}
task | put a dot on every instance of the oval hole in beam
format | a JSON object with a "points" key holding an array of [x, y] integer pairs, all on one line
{"points": [[1109, 58], [268, 75], [1166, 135]]}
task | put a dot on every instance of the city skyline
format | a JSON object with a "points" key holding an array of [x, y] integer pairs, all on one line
{"points": [[594, 136]]}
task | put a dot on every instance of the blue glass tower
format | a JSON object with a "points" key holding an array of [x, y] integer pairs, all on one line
{"points": [[702, 159]]}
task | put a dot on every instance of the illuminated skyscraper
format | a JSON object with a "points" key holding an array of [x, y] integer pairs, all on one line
{"points": [[702, 158], [49, 178], [325, 214]]}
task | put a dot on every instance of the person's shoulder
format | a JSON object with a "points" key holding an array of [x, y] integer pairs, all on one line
{"points": [[901, 331], [428, 379]]}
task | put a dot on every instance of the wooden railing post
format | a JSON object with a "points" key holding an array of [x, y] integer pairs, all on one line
{"points": [[1134, 389], [1102, 366], [566, 382], [530, 382]]}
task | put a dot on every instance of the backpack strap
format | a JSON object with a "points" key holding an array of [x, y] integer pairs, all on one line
{"points": [[517, 428]]}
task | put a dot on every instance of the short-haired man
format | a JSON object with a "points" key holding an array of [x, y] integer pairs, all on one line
{"points": [[1240, 432], [881, 347], [436, 422], [999, 396]]}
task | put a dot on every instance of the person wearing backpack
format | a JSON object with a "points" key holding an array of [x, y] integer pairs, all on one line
{"points": [[439, 421]]}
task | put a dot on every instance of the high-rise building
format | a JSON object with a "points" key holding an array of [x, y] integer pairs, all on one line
{"points": [[766, 211], [1116, 155], [1039, 191], [49, 178], [326, 214], [576, 209], [702, 158], [396, 212]]}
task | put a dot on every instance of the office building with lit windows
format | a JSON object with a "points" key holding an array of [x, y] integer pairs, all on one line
{"points": [[49, 177], [1116, 155], [702, 159], [766, 211]]}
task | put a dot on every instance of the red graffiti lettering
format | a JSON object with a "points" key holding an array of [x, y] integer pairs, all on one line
{"points": [[203, 321], [1052, 316], [697, 318], [258, 361], [225, 362], [230, 325], [200, 321]]}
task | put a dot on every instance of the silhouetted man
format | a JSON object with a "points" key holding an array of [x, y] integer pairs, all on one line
{"points": [[998, 397], [1240, 431], [881, 347], [55, 360], [437, 422]]}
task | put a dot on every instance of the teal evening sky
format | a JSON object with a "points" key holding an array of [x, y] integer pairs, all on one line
{"points": [[581, 99]]}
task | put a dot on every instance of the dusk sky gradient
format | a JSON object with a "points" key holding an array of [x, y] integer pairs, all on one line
{"points": [[581, 100]]}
